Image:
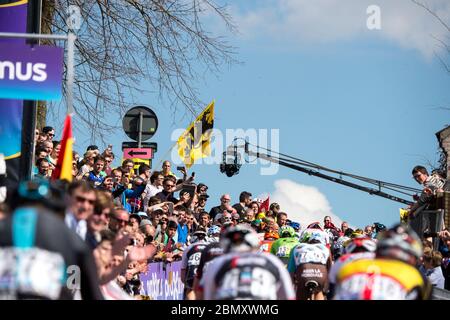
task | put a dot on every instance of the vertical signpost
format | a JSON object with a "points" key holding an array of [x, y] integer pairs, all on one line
{"points": [[140, 124]]}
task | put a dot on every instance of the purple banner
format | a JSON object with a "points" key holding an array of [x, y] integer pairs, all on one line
{"points": [[162, 281], [30, 72], [13, 18]]}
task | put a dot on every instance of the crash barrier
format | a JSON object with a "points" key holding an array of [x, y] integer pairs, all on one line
{"points": [[428, 221], [162, 281]]}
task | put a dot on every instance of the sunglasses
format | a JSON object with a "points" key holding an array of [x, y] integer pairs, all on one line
{"points": [[51, 134], [169, 185], [83, 199], [121, 220]]}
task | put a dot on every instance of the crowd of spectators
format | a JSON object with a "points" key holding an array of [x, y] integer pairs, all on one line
{"points": [[120, 211]]}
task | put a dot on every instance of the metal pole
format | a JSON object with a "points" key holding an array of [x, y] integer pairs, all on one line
{"points": [[32, 36], [70, 71], [141, 119]]}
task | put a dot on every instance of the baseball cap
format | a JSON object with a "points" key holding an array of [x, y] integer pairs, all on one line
{"points": [[145, 222]]}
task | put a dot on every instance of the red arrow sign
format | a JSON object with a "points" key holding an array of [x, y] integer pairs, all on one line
{"points": [[141, 153]]}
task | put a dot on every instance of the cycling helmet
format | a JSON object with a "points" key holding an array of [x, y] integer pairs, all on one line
{"points": [[318, 237], [401, 243], [271, 235], [357, 233], [239, 238], [287, 232], [295, 225], [50, 194], [379, 227], [214, 230], [339, 245], [360, 244], [314, 225], [319, 234]]}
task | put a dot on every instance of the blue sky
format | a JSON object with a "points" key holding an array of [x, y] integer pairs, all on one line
{"points": [[365, 102]]}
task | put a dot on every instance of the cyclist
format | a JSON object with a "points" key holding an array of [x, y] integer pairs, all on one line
{"points": [[191, 260], [269, 238], [243, 273], [309, 264], [392, 275], [212, 251], [283, 246], [354, 249], [38, 249]]}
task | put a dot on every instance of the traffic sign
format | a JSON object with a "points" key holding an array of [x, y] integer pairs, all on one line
{"points": [[141, 153], [140, 123], [134, 144]]}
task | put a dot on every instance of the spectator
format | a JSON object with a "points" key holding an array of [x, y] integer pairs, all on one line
{"points": [[43, 167], [274, 209], [245, 198], [49, 132], [170, 240], [53, 158], [249, 215], [95, 175], [166, 166], [108, 161], [344, 227], [128, 164], [119, 220], [182, 228], [431, 184], [86, 164], [432, 263], [368, 231], [167, 193], [153, 188], [282, 219], [202, 189], [224, 201], [99, 220], [254, 205], [204, 220], [147, 229], [82, 198]]}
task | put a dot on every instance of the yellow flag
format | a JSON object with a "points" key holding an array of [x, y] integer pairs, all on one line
{"points": [[195, 142], [404, 215]]}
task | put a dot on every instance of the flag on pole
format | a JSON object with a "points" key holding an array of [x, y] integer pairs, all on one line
{"points": [[63, 169], [195, 142], [264, 205]]}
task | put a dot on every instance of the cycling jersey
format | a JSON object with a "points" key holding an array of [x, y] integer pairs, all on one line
{"points": [[252, 275], [282, 248], [212, 251], [308, 253], [38, 256], [380, 279], [349, 257], [265, 246], [191, 260]]}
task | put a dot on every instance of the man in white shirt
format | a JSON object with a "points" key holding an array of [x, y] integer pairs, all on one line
{"points": [[154, 187], [81, 205]]}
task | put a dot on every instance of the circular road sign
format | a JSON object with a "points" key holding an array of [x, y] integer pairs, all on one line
{"points": [[130, 123]]}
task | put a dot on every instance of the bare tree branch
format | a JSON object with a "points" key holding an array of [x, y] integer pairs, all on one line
{"points": [[123, 44]]}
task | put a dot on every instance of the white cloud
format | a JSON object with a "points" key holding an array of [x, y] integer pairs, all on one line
{"points": [[309, 22], [302, 203]]}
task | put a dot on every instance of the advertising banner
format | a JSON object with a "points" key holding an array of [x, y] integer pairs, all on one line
{"points": [[13, 18], [31, 72], [162, 281]]}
